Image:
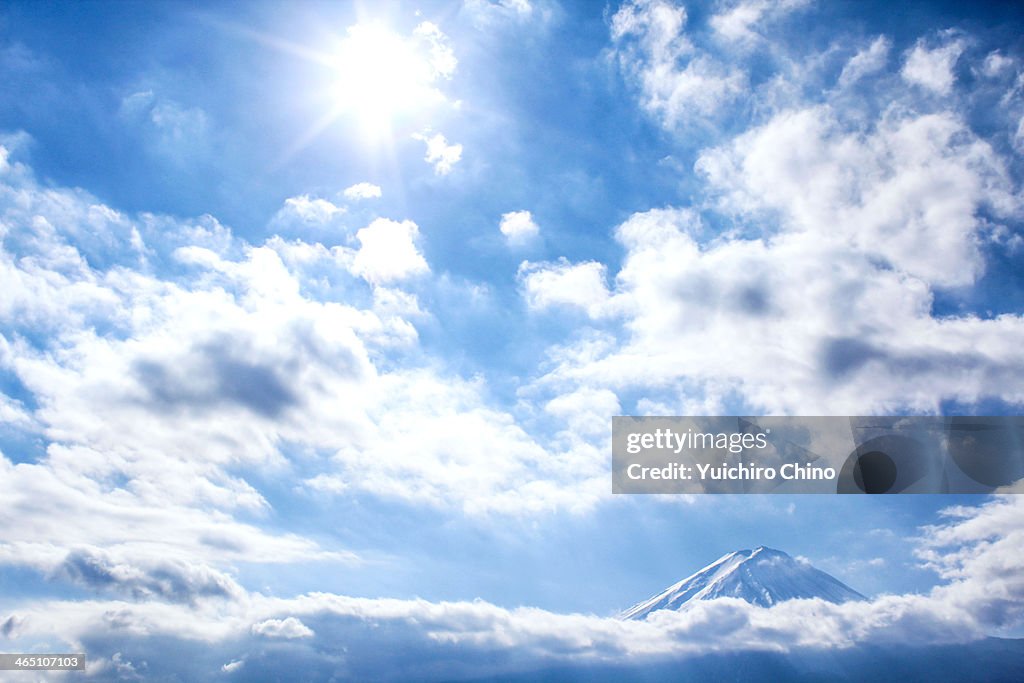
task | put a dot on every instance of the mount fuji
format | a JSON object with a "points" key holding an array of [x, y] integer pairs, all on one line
{"points": [[762, 576]]}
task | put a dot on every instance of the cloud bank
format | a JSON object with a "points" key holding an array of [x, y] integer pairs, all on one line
{"points": [[976, 550]]}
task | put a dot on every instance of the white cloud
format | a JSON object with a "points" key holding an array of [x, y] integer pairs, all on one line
{"points": [[586, 411], [565, 284], [150, 428], [867, 61], [494, 466], [932, 69], [977, 549], [362, 191], [857, 339], [907, 191], [738, 22], [518, 227], [388, 252], [289, 628], [735, 23], [869, 206], [824, 304], [223, 369], [439, 153], [310, 210], [13, 412], [996, 63], [441, 56], [233, 666], [165, 540], [677, 81], [176, 131]]}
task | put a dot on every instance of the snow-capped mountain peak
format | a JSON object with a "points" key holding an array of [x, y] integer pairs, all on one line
{"points": [[762, 576]]}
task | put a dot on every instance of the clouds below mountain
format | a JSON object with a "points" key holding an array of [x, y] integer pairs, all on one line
{"points": [[349, 637]]}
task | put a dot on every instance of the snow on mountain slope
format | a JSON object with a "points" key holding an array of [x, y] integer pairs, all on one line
{"points": [[762, 576]]}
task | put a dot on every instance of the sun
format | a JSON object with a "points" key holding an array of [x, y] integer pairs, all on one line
{"points": [[378, 83], [381, 77]]}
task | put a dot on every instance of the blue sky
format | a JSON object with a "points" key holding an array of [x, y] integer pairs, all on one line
{"points": [[324, 299]]}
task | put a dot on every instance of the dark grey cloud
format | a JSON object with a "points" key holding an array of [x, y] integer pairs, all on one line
{"points": [[170, 580], [210, 375], [845, 355], [10, 626]]}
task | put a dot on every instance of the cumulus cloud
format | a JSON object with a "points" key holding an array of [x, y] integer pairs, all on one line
{"points": [[302, 215], [289, 627], [977, 549], [439, 153], [932, 68], [844, 222], [852, 231], [565, 284], [362, 191], [908, 190], [388, 251], [157, 392], [854, 334], [494, 465], [585, 411], [518, 227]]}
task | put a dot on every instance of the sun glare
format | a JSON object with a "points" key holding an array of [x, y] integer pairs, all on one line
{"points": [[383, 77]]}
